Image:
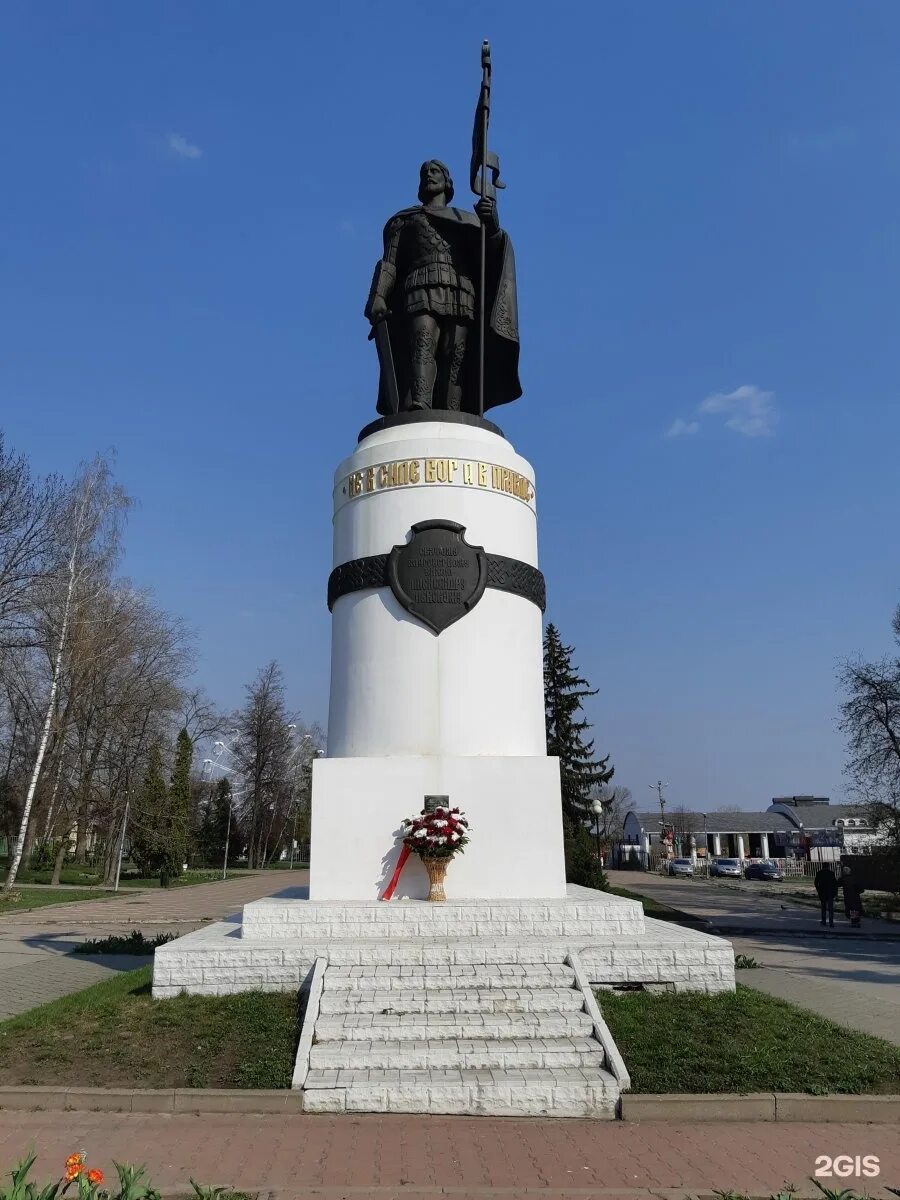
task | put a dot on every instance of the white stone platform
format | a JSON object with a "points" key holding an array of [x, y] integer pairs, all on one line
{"points": [[580, 916], [471, 1006], [276, 945]]}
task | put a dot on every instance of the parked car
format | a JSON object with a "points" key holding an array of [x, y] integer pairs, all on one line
{"points": [[726, 866], [681, 866], [764, 870]]}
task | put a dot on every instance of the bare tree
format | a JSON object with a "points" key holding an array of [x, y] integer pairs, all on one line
{"points": [[200, 716], [91, 524], [262, 750], [30, 512], [870, 720]]}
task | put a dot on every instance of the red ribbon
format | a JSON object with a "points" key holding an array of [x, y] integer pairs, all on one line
{"points": [[392, 886]]}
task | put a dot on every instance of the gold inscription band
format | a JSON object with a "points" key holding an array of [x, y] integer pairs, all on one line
{"points": [[505, 574], [411, 472]]}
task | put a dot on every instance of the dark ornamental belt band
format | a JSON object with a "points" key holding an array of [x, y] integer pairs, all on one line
{"points": [[437, 576], [505, 574]]}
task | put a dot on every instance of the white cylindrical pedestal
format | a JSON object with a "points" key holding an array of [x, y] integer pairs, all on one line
{"points": [[396, 687], [412, 712]]}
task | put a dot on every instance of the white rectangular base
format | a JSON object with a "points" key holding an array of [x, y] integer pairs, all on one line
{"points": [[615, 942], [513, 808]]}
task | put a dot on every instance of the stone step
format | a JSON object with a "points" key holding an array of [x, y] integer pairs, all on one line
{"points": [[454, 1000], [579, 918], [417, 976], [430, 952], [476, 1054], [564, 1092], [407, 1027]]}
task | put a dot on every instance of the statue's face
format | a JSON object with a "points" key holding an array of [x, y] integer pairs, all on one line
{"points": [[433, 180]]}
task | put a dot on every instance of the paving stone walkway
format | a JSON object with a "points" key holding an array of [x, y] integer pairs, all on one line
{"points": [[36, 960], [855, 984], [852, 980], [745, 907], [423, 1158]]}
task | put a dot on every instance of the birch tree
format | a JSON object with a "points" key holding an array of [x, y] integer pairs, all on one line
{"points": [[91, 524], [30, 515]]}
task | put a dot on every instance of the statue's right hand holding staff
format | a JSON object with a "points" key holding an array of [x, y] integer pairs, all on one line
{"points": [[377, 309]]}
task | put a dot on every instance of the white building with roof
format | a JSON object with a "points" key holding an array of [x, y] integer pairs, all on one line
{"points": [[791, 827]]}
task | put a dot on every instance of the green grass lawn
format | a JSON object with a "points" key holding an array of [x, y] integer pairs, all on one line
{"points": [[115, 1035], [26, 898], [743, 1041], [86, 876]]}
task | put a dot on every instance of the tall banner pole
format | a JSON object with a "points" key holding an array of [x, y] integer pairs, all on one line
{"points": [[484, 105], [485, 189]]}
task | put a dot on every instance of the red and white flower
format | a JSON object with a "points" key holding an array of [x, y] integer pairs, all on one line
{"points": [[438, 834]]}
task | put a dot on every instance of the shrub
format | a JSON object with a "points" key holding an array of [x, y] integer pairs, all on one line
{"points": [[132, 943], [582, 865]]}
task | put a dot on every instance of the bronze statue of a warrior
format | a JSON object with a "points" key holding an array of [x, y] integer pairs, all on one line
{"points": [[443, 299]]}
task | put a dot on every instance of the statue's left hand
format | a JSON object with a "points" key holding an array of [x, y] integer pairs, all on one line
{"points": [[486, 208]]}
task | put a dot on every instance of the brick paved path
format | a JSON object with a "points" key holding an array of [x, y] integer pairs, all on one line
{"points": [[421, 1158], [36, 963]]}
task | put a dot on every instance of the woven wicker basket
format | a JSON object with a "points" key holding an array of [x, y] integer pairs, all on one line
{"points": [[437, 871]]}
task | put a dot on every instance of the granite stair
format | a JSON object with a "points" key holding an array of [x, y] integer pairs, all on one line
{"points": [[485, 1038]]}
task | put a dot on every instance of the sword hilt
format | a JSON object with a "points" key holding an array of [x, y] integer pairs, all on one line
{"points": [[371, 336]]}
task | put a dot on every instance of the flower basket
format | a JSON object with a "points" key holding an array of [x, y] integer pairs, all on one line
{"points": [[436, 837], [437, 872]]}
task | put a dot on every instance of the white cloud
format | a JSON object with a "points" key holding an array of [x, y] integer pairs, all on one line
{"points": [[179, 145], [681, 428], [748, 410]]}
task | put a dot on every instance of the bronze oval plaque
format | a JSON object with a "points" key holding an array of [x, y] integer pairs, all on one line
{"points": [[437, 576]]}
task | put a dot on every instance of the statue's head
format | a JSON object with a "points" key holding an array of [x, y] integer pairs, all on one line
{"points": [[434, 177]]}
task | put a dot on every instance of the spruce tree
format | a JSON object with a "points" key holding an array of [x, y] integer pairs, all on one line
{"points": [[162, 818], [149, 817], [564, 691], [214, 826], [179, 806]]}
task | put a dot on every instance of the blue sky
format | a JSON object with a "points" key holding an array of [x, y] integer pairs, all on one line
{"points": [[703, 200]]}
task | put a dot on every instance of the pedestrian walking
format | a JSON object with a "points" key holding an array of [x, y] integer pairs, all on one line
{"points": [[852, 896], [826, 885]]}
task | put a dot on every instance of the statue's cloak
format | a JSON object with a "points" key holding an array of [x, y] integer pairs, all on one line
{"points": [[501, 341]]}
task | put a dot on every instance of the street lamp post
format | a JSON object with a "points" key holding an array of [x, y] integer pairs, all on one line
{"points": [[209, 765], [600, 807], [122, 841], [227, 838], [597, 809], [658, 788]]}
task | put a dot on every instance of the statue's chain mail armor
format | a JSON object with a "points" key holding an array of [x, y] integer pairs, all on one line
{"points": [[436, 273]]}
